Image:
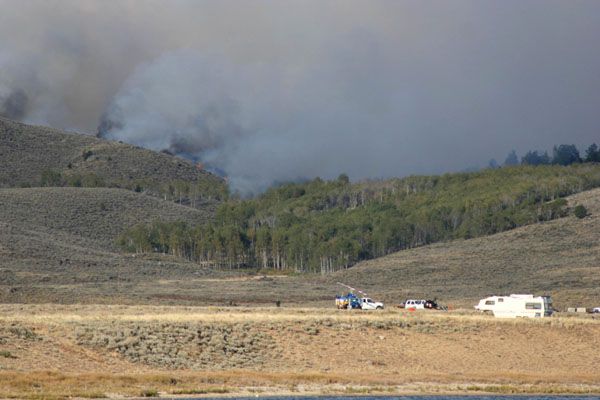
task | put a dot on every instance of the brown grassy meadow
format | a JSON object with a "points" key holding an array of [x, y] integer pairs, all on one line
{"points": [[95, 351]]}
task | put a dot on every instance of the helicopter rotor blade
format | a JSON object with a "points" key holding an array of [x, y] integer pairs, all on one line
{"points": [[353, 289]]}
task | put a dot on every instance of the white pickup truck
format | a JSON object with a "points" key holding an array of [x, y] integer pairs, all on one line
{"points": [[368, 304]]}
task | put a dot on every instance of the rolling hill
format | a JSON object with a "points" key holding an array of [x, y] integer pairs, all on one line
{"points": [[58, 244], [43, 259], [325, 226], [93, 216], [559, 257], [39, 156]]}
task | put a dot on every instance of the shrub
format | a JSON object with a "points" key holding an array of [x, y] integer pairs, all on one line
{"points": [[51, 177], [87, 154], [580, 211], [6, 354], [74, 181], [23, 333], [92, 180], [149, 393]]}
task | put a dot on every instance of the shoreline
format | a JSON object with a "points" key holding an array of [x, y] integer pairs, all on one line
{"points": [[161, 386]]}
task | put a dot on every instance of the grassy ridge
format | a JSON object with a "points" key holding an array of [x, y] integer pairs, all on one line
{"points": [[35, 156], [57, 244], [323, 226], [93, 216]]}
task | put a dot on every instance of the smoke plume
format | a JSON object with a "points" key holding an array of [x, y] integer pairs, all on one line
{"points": [[181, 102], [13, 103], [270, 91]]}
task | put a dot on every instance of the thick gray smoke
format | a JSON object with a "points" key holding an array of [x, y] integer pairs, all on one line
{"points": [[270, 90], [13, 103], [257, 123], [182, 102]]}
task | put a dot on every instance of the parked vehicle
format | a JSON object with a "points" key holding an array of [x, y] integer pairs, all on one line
{"points": [[422, 304], [415, 304], [352, 301], [369, 304], [517, 305], [348, 301], [596, 310]]}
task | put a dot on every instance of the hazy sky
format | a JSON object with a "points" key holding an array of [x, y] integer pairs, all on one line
{"points": [[283, 89]]}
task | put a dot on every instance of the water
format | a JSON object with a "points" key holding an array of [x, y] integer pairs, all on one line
{"points": [[415, 398]]}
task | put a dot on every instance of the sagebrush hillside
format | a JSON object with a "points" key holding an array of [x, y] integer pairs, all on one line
{"points": [[35, 156], [96, 216], [560, 258], [58, 244]]}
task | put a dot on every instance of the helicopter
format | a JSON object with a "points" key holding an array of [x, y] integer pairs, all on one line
{"points": [[352, 301]]}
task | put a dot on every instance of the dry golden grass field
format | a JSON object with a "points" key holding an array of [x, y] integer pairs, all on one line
{"points": [[53, 351]]}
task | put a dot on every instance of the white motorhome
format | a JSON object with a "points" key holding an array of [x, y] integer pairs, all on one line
{"points": [[517, 305]]}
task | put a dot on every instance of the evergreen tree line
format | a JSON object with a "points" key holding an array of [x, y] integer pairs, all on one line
{"points": [[564, 154], [323, 226]]}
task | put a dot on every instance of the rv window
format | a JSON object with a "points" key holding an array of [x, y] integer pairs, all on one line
{"points": [[501, 300], [490, 303], [533, 306]]}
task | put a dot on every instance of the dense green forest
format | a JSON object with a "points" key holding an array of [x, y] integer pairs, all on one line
{"points": [[323, 226]]}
